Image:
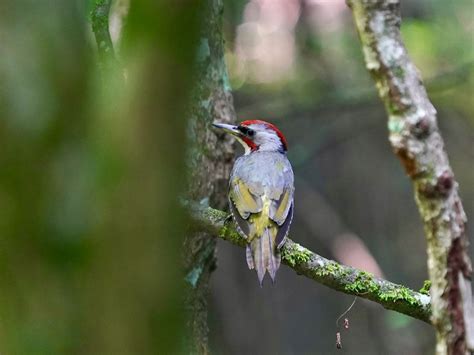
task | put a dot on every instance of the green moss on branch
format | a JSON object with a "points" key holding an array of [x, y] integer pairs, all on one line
{"points": [[100, 26], [327, 272]]}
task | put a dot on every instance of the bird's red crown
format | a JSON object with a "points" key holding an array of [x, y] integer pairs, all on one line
{"points": [[269, 126]]}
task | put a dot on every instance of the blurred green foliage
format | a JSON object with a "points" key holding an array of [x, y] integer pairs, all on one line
{"points": [[92, 161], [328, 67], [92, 164]]}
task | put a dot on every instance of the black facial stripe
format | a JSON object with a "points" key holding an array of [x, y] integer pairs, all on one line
{"points": [[246, 131], [243, 129]]}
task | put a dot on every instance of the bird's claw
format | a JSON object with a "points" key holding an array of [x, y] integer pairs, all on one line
{"points": [[228, 219]]}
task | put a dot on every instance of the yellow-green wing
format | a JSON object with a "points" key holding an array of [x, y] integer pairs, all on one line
{"points": [[281, 212], [279, 208], [245, 202]]}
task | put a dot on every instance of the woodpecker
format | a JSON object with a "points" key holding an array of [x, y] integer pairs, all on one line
{"points": [[261, 188]]}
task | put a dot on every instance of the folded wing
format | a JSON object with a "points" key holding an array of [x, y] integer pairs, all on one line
{"points": [[244, 203]]}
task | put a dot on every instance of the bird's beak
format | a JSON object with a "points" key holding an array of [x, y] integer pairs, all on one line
{"points": [[228, 128]]}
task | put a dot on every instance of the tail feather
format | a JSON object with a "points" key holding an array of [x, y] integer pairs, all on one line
{"points": [[270, 262], [274, 257], [260, 260], [263, 255], [249, 256]]}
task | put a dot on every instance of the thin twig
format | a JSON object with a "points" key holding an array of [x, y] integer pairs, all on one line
{"points": [[346, 311]]}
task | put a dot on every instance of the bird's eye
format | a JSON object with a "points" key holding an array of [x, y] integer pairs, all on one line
{"points": [[246, 131]]}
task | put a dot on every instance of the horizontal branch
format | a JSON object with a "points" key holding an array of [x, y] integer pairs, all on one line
{"points": [[327, 272]]}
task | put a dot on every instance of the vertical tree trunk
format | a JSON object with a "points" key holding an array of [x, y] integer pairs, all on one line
{"points": [[417, 141], [91, 231], [100, 26], [209, 162], [136, 286]]}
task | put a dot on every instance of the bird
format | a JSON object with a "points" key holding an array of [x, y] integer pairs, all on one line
{"points": [[261, 193]]}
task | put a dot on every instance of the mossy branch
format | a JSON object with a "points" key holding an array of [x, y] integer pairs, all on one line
{"points": [[327, 272], [416, 140]]}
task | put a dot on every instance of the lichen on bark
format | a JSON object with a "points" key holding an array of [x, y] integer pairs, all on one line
{"points": [[209, 162], [416, 140], [100, 26]]}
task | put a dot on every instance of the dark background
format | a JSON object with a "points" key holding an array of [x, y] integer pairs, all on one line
{"points": [[298, 64]]}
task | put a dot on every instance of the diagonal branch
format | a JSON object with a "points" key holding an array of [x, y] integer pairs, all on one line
{"points": [[327, 272], [416, 140]]}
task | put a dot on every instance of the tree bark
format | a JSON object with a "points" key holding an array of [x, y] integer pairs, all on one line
{"points": [[136, 287], [100, 26], [416, 140], [209, 162]]}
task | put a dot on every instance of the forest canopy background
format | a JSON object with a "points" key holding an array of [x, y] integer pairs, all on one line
{"points": [[90, 229]]}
